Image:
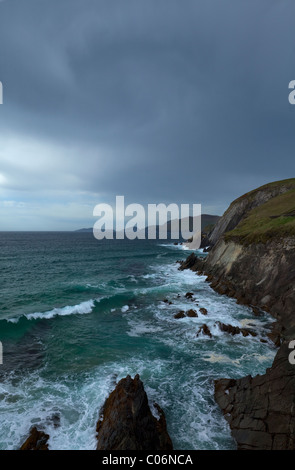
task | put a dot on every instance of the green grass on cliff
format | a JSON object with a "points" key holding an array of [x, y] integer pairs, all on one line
{"points": [[273, 219], [288, 183]]}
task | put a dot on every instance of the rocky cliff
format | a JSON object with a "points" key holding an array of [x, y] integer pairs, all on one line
{"points": [[253, 260], [261, 410], [241, 207]]}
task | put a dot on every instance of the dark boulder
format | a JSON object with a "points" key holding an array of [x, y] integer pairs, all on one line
{"points": [[180, 314], [189, 295], [37, 440], [127, 422], [191, 313], [204, 311]]}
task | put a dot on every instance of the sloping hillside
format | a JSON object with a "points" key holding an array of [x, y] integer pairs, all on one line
{"points": [[241, 207]]}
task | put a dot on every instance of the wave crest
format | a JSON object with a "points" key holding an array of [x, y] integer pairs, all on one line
{"points": [[81, 309]]}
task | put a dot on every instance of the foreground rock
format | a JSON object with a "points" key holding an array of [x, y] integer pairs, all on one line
{"points": [[127, 422], [37, 440], [261, 410]]}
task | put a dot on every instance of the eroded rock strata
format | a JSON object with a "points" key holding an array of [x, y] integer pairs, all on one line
{"points": [[127, 422], [261, 410]]}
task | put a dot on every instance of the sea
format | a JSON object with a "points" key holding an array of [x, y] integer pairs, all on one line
{"points": [[78, 314]]}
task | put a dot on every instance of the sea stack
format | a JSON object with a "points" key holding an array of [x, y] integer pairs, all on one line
{"points": [[127, 423]]}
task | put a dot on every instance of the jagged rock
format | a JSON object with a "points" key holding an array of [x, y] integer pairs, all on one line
{"points": [[260, 410], [192, 262], [276, 334], [127, 422], [180, 314], [189, 295], [37, 440], [236, 330], [191, 313], [205, 330], [204, 311]]}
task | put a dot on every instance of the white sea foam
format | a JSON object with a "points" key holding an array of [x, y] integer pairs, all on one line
{"points": [[125, 308], [82, 308], [177, 247], [141, 328]]}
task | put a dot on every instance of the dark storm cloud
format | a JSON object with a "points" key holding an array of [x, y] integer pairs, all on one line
{"points": [[157, 100]]}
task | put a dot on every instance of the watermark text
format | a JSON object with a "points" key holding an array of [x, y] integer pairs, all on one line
{"points": [[292, 93], [157, 222], [291, 356]]}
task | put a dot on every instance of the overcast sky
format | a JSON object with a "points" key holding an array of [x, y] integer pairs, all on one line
{"points": [[157, 100]]}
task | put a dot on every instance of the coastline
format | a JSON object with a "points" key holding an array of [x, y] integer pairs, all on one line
{"points": [[259, 409]]}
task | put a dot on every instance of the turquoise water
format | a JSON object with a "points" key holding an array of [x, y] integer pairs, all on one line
{"points": [[77, 314]]}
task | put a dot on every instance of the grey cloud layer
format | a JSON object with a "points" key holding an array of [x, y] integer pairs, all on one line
{"points": [[167, 100]]}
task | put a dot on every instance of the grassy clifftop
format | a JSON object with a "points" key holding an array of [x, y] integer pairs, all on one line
{"points": [[273, 219]]}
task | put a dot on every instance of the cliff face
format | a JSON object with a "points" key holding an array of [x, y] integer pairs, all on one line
{"points": [[253, 260], [261, 410], [261, 275]]}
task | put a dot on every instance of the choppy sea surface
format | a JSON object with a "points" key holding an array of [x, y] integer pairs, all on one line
{"points": [[78, 314]]}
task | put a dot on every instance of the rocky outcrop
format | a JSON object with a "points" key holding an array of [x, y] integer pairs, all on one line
{"points": [[261, 410], [235, 330], [192, 262], [37, 440], [127, 423], [260, 275]]}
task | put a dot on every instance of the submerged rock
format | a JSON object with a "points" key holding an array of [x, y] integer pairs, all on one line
{"points": [[127, 422], [37, 440]]}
